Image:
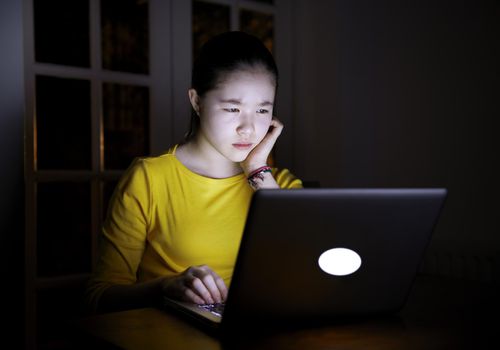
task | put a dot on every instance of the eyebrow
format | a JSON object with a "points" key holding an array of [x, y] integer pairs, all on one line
{"points": [[238, 102]]}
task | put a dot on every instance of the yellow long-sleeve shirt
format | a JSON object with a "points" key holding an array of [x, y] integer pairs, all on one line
{"points": [[163, 218]]}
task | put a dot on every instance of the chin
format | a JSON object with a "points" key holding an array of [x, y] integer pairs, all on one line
{"points": [[238, 157]]}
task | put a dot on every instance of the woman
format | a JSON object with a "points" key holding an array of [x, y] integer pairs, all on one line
{"points": [[176, 220]]}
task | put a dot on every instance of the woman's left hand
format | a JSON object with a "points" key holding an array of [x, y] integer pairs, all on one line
{"points": [[258, 156]]}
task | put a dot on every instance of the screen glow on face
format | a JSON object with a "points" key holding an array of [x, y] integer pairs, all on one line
{"points": [[339, 261]]}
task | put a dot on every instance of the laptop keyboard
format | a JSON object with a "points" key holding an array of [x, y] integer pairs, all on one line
{"points": [[217, 309]]}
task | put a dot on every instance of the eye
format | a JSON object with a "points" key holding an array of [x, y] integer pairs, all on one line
{"points": [[232, 110], [262, 111]]}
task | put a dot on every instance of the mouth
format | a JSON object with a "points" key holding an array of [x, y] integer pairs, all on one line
{"points": [[243, 146]]}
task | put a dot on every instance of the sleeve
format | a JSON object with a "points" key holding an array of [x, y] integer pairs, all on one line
{"points": [[286, 179], [123, 238]]}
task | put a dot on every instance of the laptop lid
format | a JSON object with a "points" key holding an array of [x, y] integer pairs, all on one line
{"points": [[279, 275], [383, 231]]}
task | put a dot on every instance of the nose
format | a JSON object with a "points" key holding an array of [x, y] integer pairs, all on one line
{"points": [[245, 126]]}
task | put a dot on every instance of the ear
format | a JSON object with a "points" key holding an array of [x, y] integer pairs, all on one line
{"points": [[195, 100]]}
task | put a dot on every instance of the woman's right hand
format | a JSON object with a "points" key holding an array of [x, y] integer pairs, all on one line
{"points": [[197, 284]]}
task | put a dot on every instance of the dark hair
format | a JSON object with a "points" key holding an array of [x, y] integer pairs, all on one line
{"points": [[223, 54]]}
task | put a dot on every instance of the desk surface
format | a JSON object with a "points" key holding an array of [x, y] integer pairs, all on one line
{"points": [[440, 314]]}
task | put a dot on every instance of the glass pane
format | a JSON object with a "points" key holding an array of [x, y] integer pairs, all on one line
{"points": [[62, 32], [108, 188], [63, 123], [126, 124], [208, 21], [125, 35], [63, 228], [258, 24]]}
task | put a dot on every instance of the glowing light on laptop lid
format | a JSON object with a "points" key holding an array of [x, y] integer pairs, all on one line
{"points": [[339, 261]]}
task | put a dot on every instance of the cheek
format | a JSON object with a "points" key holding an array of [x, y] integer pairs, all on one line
{"points": [[262, 127], [218, 127], [214, 123]]}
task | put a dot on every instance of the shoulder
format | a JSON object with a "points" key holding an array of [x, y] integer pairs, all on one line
{"points": [[157, 164], [286, 179], [154, 165], [144, 170]]}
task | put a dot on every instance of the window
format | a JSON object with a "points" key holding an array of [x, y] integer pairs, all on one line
{"points": [[106, 81], [89, 102], [210, 18]]}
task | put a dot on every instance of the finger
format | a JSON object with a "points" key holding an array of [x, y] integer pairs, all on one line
{"points": [[208, 277], [222, 288], [199, 288], [213, 288], [194, 276], [277, 126], [220, 285], [190, 296], [276, 122], [270, 138]]}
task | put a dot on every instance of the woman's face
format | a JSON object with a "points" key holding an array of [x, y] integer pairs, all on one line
{"points": [[236, 115]]}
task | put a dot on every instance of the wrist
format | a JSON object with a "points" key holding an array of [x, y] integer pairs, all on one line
{"points": [[257, 177], [163, 285], [249, 169]]}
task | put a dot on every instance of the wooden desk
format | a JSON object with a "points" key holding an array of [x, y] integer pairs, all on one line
{"points": [[440, 314]]}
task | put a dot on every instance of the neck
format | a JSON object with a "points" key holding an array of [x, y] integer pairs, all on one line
{"points": [[201, 158]]}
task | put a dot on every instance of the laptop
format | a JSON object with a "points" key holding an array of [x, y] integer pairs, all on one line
{"points": [[324, 254]]}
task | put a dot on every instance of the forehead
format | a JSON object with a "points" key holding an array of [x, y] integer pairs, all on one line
{"points": [[255, 82]]}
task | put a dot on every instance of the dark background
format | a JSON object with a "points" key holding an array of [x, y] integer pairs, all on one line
{"points": [[11, 173], [405, 93], [386, 93]]}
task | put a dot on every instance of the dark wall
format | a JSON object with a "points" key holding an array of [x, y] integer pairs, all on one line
{"points": [[404, 93], [11, 174]]}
